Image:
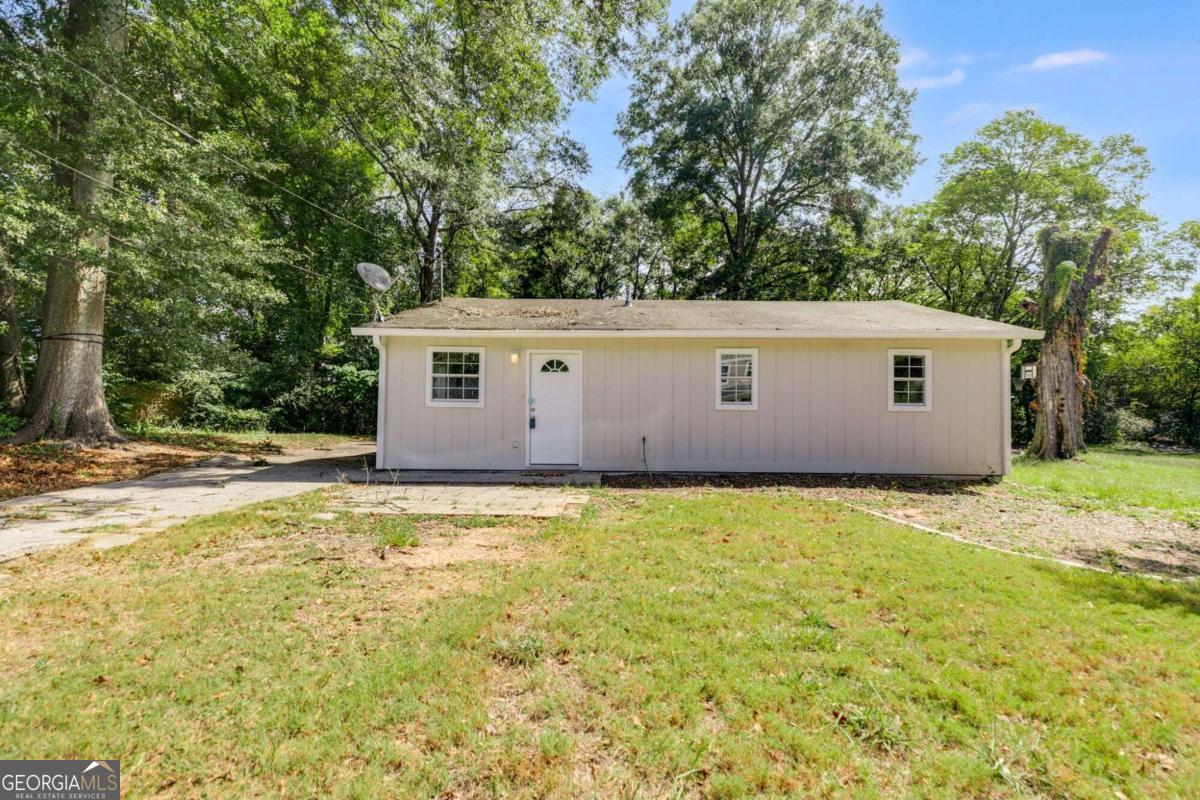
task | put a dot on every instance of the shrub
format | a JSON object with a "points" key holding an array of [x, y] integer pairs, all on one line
{"points": [[9, 423], [224, 418], [1133, 427], [205, 406], [138, 403], [336, 399]]}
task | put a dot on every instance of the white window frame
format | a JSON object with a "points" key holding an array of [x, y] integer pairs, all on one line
{"points": [[753, 353], [449, 348], [891, 380]]}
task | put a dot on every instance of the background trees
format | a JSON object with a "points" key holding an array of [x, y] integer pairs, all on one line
{"points": [[245, 155], [203, 191], [764, 119]]}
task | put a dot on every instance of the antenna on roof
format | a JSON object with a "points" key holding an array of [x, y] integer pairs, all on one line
{"points": [[379, 280], [441, 262]]}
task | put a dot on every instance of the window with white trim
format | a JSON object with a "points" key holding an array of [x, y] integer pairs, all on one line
{"points": [[454, 376], [737, 379], [910, 380]]}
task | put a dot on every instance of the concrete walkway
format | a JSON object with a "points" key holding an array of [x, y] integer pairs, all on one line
{"points": [[463, 499], [463, 477], [128, 508]]}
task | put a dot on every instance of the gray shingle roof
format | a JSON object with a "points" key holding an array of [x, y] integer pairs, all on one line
{"points": [[842, 318]]}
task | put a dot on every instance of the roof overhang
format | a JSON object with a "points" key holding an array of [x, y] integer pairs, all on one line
{"points": [[1013, 332]]}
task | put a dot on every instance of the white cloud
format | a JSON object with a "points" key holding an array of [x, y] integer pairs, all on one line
{"points": [[915, 57], [952, 78], [1067, 58], [968, 112]]}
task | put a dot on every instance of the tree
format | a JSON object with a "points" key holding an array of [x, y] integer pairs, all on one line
{"points": [[67, 397], [1151, 365], [1071, 271], [12, 376], [577, 246], [977, 239], [15, 207], [766, 117], [458, 103]]}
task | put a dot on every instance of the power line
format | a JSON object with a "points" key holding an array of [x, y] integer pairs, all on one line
{"points": [[190, 137], [152, 207]]}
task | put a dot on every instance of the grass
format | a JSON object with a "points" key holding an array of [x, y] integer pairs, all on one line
{"points": [[1117, 479], [702, 643], [396, 532], [244, 442]]}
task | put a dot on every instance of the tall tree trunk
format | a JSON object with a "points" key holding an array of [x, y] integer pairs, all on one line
{"points": [[67, 399], [428, 284], [1062, 313], [12, 378]]}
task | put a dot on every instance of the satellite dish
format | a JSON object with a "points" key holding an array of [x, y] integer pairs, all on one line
{"points": [[379, 280], [374, 276]]}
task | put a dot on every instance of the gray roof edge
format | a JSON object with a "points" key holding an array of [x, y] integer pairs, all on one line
{"points": [[817, 319]]}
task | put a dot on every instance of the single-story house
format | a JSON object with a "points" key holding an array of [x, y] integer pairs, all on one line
{"points": [[694, 385]]}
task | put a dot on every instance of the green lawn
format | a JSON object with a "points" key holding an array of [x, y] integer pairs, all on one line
{"points": [[708, 643], [238, 441], [1118, 479]]}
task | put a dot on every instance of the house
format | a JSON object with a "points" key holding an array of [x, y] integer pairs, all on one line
{"points": [[694, 385]]}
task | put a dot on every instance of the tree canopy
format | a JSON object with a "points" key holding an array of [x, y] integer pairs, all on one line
{"points": [[202, 178], [763, 118]]}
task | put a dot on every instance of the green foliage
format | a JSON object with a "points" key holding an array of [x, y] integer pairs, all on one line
{"points": [[1132, 427], [1016, 176], [394, 531], [206, 395], [427, 137], [724, 125], [1153, 365], [578, 246], [340, 398], [9, 423], [314, 137]]}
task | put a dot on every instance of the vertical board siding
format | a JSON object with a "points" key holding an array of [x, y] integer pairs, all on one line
{"points": [[822, 407]]}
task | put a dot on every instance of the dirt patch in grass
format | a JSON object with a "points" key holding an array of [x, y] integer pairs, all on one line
{"points": [[366, 584], [998, 514], [1147, 542], [48, 467]]}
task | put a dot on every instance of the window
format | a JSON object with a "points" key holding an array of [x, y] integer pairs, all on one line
{"points": [[910, 380], [555, 365], [737, 379], [455, 376]]}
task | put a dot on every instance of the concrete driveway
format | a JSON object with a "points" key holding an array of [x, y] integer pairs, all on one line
{"points": [[29, 524]]}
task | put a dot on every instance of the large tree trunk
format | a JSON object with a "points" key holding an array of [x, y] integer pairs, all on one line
{"points": [[67, 399], [1062, 313], [12, 378]]}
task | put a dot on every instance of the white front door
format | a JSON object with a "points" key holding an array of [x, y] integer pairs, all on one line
{"points": [[554, 407]]}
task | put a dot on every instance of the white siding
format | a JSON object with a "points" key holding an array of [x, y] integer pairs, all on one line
{"points": [[822, 408]]}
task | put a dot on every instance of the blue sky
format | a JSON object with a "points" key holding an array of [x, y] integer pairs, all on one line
{"points": [[1096, 66]]}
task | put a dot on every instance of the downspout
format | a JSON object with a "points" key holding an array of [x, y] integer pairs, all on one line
{"points": [[381, 409], [1007, 350]]}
